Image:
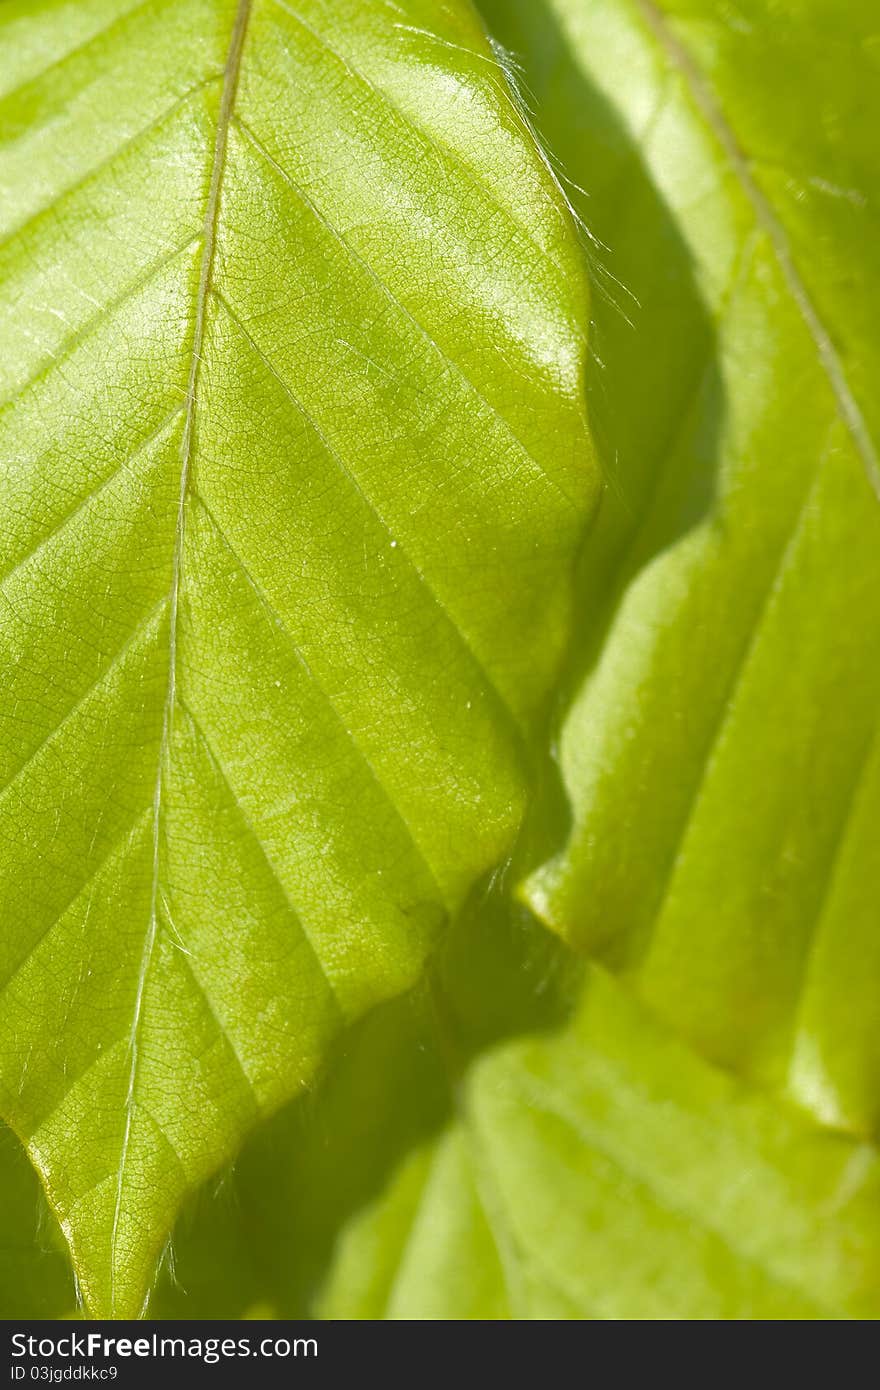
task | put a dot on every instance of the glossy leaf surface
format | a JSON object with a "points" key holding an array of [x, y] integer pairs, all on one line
{"points": [[294, 466], [522, 1134]]}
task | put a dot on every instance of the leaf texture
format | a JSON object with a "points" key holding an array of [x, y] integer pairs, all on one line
{"points": [[597, 1170], [720, 750], [295, 464], [610, 1147]]}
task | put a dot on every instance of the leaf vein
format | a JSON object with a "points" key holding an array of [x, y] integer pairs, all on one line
{"points": [[727, 705], [541, 1097], [462, 638], [446, 153], [118, 657], [212, 208], [66, 348], [401, 308], [89, 497], [221, 1027], [94, 872], [845, 825], [76, 51], [254, 836], [289, 638], [107, 163]]}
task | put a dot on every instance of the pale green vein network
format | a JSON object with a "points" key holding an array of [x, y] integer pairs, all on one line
{"points": [[257, 591], [601, 1169]]}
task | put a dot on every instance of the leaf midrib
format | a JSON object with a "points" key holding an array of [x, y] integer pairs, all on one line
{"points": [[209, 238]]}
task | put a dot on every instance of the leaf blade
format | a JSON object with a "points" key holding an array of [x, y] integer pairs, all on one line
{"points": [[266, 718]]}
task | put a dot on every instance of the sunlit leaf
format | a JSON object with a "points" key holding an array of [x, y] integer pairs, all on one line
{"points": [[294, 467], [598, 1169]]}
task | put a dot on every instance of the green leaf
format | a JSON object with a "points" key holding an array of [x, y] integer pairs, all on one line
{"points": [[607, 1172], [265, 1235], [720, 749], [590, 1166], [597, 1170], [295, 463]]}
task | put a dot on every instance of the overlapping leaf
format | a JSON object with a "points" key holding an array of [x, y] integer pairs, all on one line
{"points": [[595, 1169], [720, 752], [606, 1172], [294, 465]]}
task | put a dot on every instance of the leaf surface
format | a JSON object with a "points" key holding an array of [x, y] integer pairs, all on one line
{"points": [[295, 463], [720, 750], [598, 1170], [611, 1148]]}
